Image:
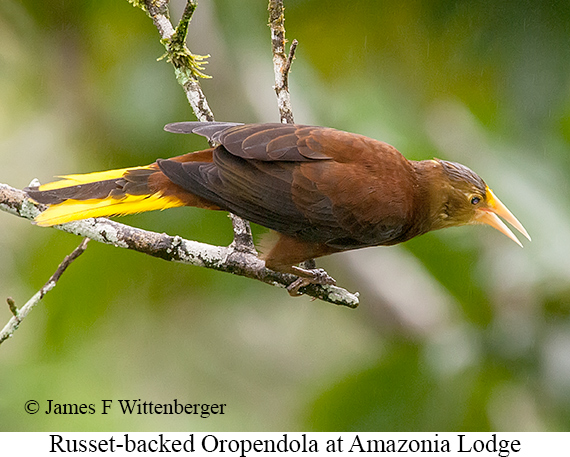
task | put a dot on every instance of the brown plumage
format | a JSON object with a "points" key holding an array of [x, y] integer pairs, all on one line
{"points": [[321, 189]]}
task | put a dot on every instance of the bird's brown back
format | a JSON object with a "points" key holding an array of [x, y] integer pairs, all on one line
{"points": [[315, 184]]}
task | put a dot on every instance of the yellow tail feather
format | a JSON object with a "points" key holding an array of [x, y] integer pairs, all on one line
{"points": [[74, 180], [73, 210]]}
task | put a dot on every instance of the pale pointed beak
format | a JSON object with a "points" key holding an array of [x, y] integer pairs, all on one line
{"points": [[490, 216]]}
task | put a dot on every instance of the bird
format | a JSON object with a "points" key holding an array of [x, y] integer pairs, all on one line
{"points": [[322, 191]]}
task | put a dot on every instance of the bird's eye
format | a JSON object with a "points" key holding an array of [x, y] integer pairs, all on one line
{"points": [[475, 200]]}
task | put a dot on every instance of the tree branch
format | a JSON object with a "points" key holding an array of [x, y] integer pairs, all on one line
{"points": [[20, 314], [174, 248]]}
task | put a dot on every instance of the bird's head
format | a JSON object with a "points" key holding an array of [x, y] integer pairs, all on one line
{"points": [[465, 199]]}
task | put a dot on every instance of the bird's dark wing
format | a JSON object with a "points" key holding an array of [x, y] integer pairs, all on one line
{"points": [[313, 183], [267, 142]]}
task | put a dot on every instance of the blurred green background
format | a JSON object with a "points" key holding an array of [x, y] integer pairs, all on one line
{"points": [[457, 330]]}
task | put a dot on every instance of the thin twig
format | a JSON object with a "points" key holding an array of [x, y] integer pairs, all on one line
{"points": [[13, 307], [243, 239], [289, 62], [67, 261], [281, 63], [20, 314]]}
